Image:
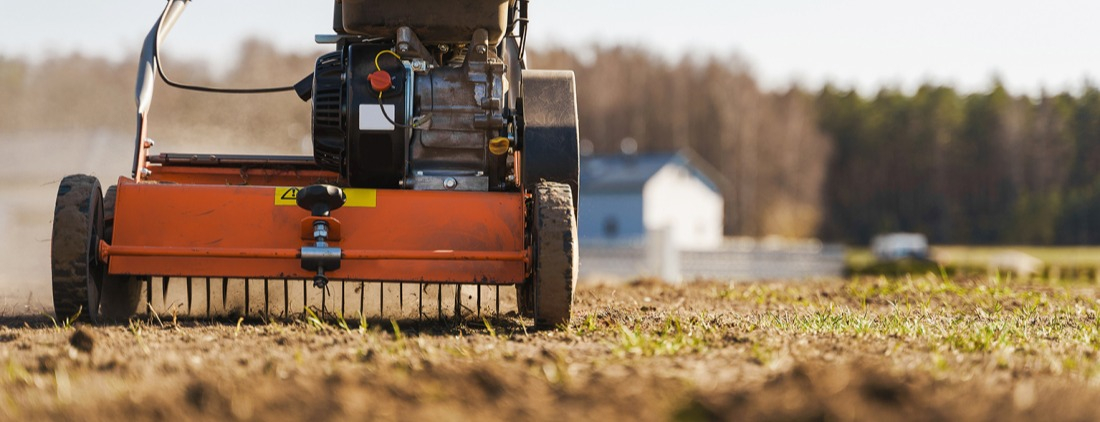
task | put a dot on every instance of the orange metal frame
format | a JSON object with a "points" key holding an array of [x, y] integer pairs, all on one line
{"points": [[227, 222]]}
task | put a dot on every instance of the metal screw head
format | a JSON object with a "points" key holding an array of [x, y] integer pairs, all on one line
{"points": [[481, 49], [450, 183], [403, 48], [444, 48]]}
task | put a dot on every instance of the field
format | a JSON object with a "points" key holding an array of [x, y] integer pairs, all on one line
{"points": [[1050, 262], [913, 348]]}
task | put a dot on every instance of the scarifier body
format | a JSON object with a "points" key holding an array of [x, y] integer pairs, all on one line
{"points": [[439, 164]]}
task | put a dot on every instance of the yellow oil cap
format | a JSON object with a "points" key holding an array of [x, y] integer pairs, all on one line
{"points": [[498, 146]]}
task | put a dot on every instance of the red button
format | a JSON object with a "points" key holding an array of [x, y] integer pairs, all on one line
{"points": [[380, 80]]}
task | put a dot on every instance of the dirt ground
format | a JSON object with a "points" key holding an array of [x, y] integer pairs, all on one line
{"points": [[910, 349]]}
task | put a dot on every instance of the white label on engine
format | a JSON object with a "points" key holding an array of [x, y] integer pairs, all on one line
{"points": [[371, 118]]}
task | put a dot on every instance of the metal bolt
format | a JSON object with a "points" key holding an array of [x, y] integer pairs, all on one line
{"points": [[444, 48], [481, 49], [403, 48], [450, 183]]}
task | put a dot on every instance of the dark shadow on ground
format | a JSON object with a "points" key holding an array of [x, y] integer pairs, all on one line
{"points": [[500, 325]]}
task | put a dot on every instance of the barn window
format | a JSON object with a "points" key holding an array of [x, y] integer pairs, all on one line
{"points": [[610, 227]]}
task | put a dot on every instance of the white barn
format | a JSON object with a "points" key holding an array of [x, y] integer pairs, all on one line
{"points": [[624, 197]]}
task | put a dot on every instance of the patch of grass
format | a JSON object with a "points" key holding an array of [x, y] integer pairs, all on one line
{"points": [[673, 336], [1009, 322], [489, 328], [587, 325], [342, 323], [312, 320], [67, 323]]}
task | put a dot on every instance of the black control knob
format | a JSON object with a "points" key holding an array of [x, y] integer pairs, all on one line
{"points": [[319, 200]]}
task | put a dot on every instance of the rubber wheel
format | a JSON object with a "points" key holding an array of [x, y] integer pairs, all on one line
{"points": [[77, 229], [551, 139], [120, 295], [555, 240]]}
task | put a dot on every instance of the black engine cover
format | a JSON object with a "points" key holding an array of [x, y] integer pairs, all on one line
{"points": [[350, 135]]}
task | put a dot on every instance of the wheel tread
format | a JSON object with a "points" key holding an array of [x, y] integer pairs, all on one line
{"points": [[556, 265], [72, 230]]}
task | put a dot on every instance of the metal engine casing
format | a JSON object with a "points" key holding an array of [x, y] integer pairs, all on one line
{"points": [[445, 115]]}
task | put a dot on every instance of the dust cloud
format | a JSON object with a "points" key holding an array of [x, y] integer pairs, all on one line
{"points": [[34, 164]]}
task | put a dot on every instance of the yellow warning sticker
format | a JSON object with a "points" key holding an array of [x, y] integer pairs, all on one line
{"points": [[362, 198]]}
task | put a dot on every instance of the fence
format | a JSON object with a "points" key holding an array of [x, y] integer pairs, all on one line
{"points": [[734, 260]]}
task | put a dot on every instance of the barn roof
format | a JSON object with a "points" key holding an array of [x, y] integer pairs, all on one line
{"points": [[629, 173]]}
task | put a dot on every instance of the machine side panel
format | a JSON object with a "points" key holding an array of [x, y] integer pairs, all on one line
{"points": [[261, 232]]}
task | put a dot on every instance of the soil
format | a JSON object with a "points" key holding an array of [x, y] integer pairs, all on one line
{"points": [[639, 351]]}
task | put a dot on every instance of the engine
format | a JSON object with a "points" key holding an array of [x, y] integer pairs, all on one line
{"points": [[394, 110]]}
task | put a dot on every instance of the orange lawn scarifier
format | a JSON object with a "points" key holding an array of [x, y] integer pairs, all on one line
{"points": [[438, 159]]}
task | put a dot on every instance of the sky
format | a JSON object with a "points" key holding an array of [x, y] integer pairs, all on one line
{"points": [[867, 44]]}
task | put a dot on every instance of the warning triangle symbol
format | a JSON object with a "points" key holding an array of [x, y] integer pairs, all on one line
{"points": [[290, 194]]}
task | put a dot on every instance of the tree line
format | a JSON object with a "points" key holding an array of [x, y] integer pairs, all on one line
{"points": [[967, 168]]}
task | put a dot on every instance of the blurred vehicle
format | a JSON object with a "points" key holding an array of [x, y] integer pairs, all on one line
{"points": [[895, 246]]}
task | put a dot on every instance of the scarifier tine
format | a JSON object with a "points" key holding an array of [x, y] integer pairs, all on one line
{"points": [[286, 298], [164, 292], [343, 303], [267, 300], [457, 301], [247, 296]]}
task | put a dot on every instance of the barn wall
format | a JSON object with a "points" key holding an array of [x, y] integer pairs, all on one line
{"points": [[692, 211]]}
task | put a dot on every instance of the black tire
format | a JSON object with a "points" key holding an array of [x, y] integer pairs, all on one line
{"points": [[74, 248], [120, 295], [556, 259]]}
